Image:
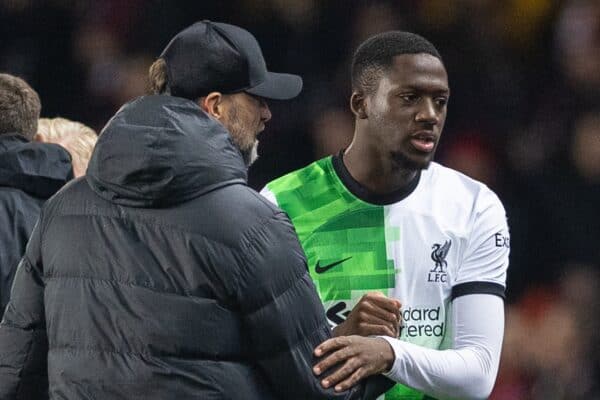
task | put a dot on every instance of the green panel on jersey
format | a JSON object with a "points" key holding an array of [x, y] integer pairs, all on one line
{"points": [[344, 237], [333, 225], [401, 392], [349, 236]]}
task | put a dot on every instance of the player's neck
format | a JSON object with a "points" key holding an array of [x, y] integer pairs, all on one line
{"points": [[376, 171]]}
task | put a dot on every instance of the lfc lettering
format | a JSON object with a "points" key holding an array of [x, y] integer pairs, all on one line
{"points": [[437, 277]]}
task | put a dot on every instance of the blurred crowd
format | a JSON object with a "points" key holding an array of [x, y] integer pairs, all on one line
{"points": [[524, 117]]}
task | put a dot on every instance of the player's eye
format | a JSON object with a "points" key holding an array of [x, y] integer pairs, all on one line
{"points": [[409, 98], [441, 101]]}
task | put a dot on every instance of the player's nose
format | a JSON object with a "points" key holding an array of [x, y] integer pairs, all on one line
{"points": [[428, 112], [265, 111]]}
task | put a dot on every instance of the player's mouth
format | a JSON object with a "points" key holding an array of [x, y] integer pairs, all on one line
{"points": [[423, 141]]}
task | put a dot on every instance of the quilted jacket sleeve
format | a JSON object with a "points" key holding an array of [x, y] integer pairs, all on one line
{"points": [[283, 315], [23, 342]]}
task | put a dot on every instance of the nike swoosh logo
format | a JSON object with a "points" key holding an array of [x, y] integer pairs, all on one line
{"points": [[319, 269]]}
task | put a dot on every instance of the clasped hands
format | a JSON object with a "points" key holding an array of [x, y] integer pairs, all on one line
{"points": [[356, 354]]}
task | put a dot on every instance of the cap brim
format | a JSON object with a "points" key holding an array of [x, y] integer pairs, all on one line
{"points": [[278, 86]]}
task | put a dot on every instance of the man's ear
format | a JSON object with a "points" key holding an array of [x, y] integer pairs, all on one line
{"points": [[38, 138], [358, 105], [212, 104]]}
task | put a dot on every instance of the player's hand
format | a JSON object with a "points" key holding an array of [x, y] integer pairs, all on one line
{"points": [[358, 357], [374, 314]]}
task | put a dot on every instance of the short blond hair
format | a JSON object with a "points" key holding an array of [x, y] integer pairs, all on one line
{"points": [[77, 138]]}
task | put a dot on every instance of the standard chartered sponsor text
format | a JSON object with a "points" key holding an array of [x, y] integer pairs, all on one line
{"points": [[419, 322]]}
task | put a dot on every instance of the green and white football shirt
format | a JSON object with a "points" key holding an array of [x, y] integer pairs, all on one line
{"points": [[442, 237]]}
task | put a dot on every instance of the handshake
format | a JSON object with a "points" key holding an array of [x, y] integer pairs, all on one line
{"points": [[355, 354]]}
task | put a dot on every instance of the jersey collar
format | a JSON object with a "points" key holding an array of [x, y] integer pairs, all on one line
{"points": [[364, 193]]}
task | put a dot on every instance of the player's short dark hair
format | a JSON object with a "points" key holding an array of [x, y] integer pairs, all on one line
{"points": [[20, 107], [375, 55]]}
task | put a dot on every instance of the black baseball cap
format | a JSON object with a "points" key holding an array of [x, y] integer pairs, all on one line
{"points": [[216, 57]]}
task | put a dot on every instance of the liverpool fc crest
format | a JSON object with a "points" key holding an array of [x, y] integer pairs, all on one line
{"points": [[438, 255]]}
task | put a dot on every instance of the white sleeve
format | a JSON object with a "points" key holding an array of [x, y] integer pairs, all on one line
{"points": [[267, 194], [468, 370], [485, 260]]}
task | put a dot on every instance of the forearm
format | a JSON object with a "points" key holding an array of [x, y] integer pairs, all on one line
{"points": [[469, 369]]}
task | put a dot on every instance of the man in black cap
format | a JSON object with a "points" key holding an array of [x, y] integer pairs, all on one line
{"points": [[160, 274], [221, 67]]}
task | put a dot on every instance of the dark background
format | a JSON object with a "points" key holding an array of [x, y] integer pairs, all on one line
{"points": [[524, 117]]}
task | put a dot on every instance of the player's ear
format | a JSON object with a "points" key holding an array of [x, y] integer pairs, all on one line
{"points": [[358, 104], [212, 104]]}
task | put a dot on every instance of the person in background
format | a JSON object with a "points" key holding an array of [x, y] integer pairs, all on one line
{"points": [[161, 274], [77, 138], [29, 174], [399, 246]]}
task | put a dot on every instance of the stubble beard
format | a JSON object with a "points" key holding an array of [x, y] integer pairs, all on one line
{"points": [[239, 135], [404, 162], [249, 152], [251, 155]]}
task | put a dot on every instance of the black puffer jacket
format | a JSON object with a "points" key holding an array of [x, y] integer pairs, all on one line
{"points": [[163, 276], [30, 173]]}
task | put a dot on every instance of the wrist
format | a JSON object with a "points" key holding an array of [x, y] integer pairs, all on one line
{"points": [[338, 330], [387, 355]]}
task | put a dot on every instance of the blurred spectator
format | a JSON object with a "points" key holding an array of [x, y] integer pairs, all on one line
{"points": [[561, 217], [332, 132], [578, 45], [471, 154], [585, 148], [77, 138], [29, 174], [132, 76], [550, 349], [573, 84]]}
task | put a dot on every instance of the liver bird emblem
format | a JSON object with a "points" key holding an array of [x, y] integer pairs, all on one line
{"points": [[438, 255]]}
